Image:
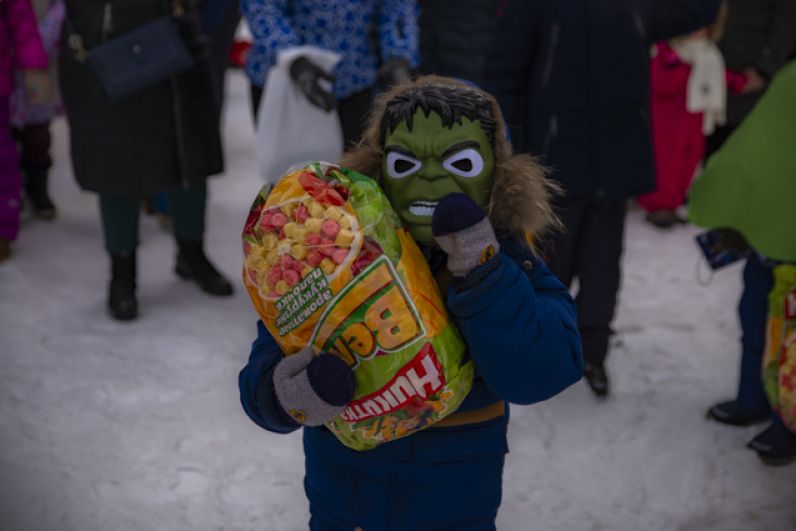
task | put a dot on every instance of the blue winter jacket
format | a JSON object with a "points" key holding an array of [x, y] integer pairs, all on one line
{"points": [[343, 26], [520, 327]]}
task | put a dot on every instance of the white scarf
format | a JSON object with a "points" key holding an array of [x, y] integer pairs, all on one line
{"points": [[707, 89]]}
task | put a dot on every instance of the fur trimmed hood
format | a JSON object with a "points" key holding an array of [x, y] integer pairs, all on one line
{"points": [[521, 192]]}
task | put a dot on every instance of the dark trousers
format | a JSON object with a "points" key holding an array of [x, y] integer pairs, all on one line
{"points": [[34, 141], [220, 40], [714, 142], [120, 216], [758, 281], [590, 248], [353, 112]]}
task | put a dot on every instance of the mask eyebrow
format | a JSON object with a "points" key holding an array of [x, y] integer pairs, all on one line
{"points": [[460, 146], [400, 149]]}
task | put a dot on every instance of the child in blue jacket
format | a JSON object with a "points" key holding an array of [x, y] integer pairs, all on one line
{"points": [[439, 150]]}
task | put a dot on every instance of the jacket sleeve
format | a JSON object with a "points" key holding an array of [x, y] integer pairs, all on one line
{"points": [[511, 56], [269, 25], [396, 24], [781, 41], [50, 27], [257, 387], [520, 329], [28, 48], [674, 18]]}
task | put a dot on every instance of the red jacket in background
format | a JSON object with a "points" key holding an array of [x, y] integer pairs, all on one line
{"points": [[678, 141]]}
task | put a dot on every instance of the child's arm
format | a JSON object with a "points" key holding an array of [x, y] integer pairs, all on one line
{"points": [[520, 328], [281, 394]]}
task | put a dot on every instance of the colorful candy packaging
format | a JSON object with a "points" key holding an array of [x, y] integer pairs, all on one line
{"points": [[779, 359], [327, 264]]}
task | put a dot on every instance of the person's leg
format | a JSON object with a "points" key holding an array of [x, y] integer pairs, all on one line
{"points": [[714, 142], [187, 207], [120, 226], [751, 404], [10, 183], [598, 268], [257, 96], [560, 247], [36, 162], [353, 112]]}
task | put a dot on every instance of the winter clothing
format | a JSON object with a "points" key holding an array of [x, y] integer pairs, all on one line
{"points": [[192, 264], [679, 142], [455, 36], [122, 304], [575, 76], [10, 180], [748, 185], [50, 16], [343, 26], [20, 43], [519, 326], [120, 216], [462, 230], [220, 19], [759, 34], [707, 81], [163, 137], [776, 445], [590, 249], [20, 46], [311, 389]]}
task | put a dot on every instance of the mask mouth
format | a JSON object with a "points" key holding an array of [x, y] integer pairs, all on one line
{"points": [[423, 208]]}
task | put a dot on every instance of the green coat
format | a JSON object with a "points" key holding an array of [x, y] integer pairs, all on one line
{"points": [[750, 184]]}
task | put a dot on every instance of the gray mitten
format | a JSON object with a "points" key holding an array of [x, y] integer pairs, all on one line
{"points": [[313, 389], [462, 229]]}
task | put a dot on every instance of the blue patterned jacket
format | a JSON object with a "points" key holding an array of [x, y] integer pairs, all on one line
{"points": [[342, 26]]}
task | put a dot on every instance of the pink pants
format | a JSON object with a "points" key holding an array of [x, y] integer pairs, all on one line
{"points": [[10, 179]]}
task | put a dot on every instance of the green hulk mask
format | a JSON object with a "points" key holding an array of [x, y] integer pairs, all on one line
{"points": [[436, 136], [426, 161]]}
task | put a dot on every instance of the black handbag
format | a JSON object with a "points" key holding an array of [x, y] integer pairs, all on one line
{"points": [[137, 59]]}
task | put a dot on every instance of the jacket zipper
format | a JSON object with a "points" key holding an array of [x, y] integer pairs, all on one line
{"points": [[552, 132], [107, 21], [548, 68], [182, 160]]}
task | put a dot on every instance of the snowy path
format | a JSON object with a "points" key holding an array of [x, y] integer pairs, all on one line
{"points": [[107, 426]]}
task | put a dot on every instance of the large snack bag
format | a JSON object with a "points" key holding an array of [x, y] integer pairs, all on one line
{"points": [[779, 361], [327, 263]]}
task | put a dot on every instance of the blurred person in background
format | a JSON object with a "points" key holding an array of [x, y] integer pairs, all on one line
{"points": [[455, 37], [162, 138], [574, 76], [759, 37], [31, 122], [220, 19], [20, 46], [342, 26], [748, 189], [689, 99]]}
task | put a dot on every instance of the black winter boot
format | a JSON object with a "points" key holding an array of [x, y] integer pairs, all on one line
{"points": [[36, 190], [122, 304], [192, 264], [597, 378]]}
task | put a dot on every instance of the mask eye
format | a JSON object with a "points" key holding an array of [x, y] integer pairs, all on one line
{"points": [[400, 165], [466, 163]]}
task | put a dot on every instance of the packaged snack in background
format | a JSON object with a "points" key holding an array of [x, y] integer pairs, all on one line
{"points": [[779, 359], [327, 264]]}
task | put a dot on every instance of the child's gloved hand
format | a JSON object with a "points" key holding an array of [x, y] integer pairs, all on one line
{"points": [[462, 230], [313, 389], [314, 83]]}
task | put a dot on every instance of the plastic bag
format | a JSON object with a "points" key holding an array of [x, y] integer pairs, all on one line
{"points": [[779, 360], [327, 264], [289, 127]]}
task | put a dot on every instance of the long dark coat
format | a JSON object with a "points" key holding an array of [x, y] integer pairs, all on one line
{"points": [[163, 137], [574, 75], [760, 34]]}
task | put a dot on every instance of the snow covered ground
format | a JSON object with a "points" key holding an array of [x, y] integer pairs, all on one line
{"points": [[109, 426]]}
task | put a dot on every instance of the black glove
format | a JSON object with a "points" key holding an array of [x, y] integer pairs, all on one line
{"points": [[394, 72], [313, 389], [309, 76]]}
